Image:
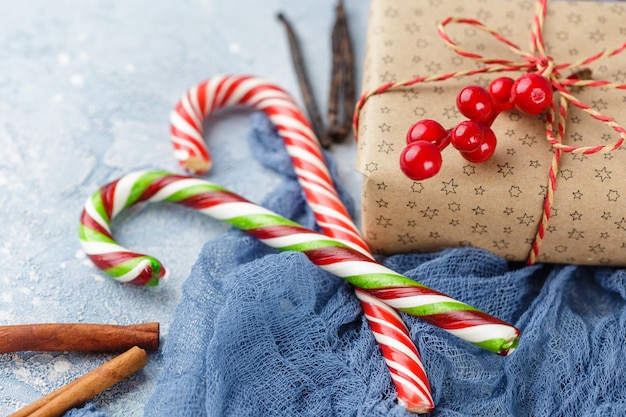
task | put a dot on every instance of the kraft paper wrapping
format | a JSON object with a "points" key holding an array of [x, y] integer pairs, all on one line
{"points": [[495, 205]]}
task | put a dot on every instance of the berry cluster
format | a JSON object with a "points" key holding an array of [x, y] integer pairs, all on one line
{"points": [[473, 138]]}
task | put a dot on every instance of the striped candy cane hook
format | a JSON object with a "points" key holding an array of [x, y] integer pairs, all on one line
{"points": [[330, 254], [321, 195]]}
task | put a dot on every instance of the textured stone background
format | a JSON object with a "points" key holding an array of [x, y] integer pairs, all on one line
{"points": [[86, 89]]}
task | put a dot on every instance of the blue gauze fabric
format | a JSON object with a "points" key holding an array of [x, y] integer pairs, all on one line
{"points": [[262, 333]]}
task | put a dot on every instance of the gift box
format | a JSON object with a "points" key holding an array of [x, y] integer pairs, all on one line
{"points": [[497, 205]]}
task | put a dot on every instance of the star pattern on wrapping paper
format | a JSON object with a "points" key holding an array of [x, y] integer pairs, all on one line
{"points": [[411, 204], [449, 187], [429, 213], [387, 59], [606, 215], [385, 147], [566, 174], [613, 195], [454, 222], [526, 219], [515, 117], [511, 151], [405, 239], [411, 223], [507, 230], [579, 157], [383, 221], [577, 195], [479, 190], [385, 110], [478, 211], [433, 235], [515, 191], [510, 133], [391, 12], [596, 249], [453, 207], [382, 185], [505, 169], [371, 167], [576, 216], [603, 174], [596, 36], [621, 225], [469, 170], [411, 94], [412, 28], [599, 104], [384, 127], [576, 234], [560, 248], [620, 76], [508, 211], [576, 137], [575, 120], [544, 190], [387, 77], [479, 229], [433, 67], [528, 140], [417, 187], [500, 244], [419, 111], [604, 235], [574, 18], [534, 163], [451, 112], [382, 203]]}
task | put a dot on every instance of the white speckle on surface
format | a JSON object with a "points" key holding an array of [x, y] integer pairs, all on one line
{"points": [[64, 59], [62, 365], [36, 301], [234, 48], [57, 98], [6, 297], [77, 80], [130, 68], [84, 56]]}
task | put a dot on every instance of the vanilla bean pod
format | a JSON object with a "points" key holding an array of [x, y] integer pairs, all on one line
{"points": [[305, 87], [342, 95]]}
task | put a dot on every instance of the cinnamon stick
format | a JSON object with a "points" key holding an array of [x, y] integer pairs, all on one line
{"points": [[87, 386], [58, 337]]}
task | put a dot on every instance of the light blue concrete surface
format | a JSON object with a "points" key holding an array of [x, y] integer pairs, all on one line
{"points": [[86, 89]]}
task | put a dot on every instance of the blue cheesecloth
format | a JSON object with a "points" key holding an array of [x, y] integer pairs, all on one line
{"points": [[263, 333]]}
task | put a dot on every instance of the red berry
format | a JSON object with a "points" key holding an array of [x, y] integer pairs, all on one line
{"points": [[486, 148], [428, 130], [420, 160], [532, 93], [474, 102], [500, 91], [467, 136]]}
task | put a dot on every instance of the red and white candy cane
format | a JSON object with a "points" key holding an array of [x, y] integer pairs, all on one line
{"points": [[330, 254], [332, 217]]}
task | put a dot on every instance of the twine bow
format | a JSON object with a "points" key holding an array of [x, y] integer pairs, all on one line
{"points": [[535, 60]]}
